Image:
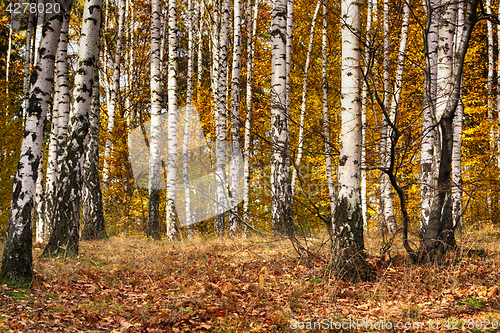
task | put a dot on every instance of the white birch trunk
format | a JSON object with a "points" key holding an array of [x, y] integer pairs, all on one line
{"points": [[456, 176], [387, 220], [187, 120], [65, 234], [17, 250], [289, 37], [40, 20], [234, 171], [221, 122], [171, 216], [326, 120], [281, 195], [491, 73], [40, 221], [429, 109], [27, 64], [153, 224], [364, 104], [114, 92], [248, 117], [9, 51], [303, 105], [348, 258], [59, 125]]}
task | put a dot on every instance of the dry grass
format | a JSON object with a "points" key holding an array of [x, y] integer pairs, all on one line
{"points": [[238, 285]]}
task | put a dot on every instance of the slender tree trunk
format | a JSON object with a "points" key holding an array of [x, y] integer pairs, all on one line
{"points": [[199, 64], [491, 73], [171, 216], [153, 225], [289, 37], [348, 258], [114, 93], [65, 235], [281, 195], [429, 111], [59, 127], [17, 251], [187, 121], [221, 123], [364, 104], [235, 161], [326, 120], [390, 219], [387, 220], [40, 20], [27, 64], [303, 104], [456, 190], [251, 30], [93, 224]]}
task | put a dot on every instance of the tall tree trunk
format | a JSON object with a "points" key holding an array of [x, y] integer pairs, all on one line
{"points": [[348, 257], [9, 51], [65, 235], [234, 171], [387, 220], [93, 224], [281, 195], [326, 120], [40, 20], [40, 222], [59, 125], [456, 190], [17, 257], [221, 123], [303, 104], [251, 30], [187, 121], [27, 64], [439, 234], [429, 110], [364, 104], [390, 219], [114, 93], [153, 224], [171, 216]]}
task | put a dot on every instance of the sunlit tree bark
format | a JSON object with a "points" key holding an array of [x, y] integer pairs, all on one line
{"points": [[65, 234], [17, 251], [171, 216], [281, 195], [348, 257]]}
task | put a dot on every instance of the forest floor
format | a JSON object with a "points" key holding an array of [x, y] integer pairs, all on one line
{"points": [[130, 284]]}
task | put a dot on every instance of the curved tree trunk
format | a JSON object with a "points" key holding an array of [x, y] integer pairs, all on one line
{"points": [[17, 251], [65, 235]]}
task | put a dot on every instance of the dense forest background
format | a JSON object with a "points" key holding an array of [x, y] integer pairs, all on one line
{"points": [[125, 43]]}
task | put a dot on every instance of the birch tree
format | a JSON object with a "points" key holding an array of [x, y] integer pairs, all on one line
{"points": [[387, 220], [281, 195], [171, 215], [303, 104], [348, 258], [17, 257], [439, 234], [27, 63], [326, 120], [153, 224], [251, 22], [115, 90], [187, 119], [65, 234], [93, 224], [235, 119], [221, 121], [59, 127], [431, 35]]}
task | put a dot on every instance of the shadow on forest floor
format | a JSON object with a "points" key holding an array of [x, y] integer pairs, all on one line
{"points": [[240, 285]]}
